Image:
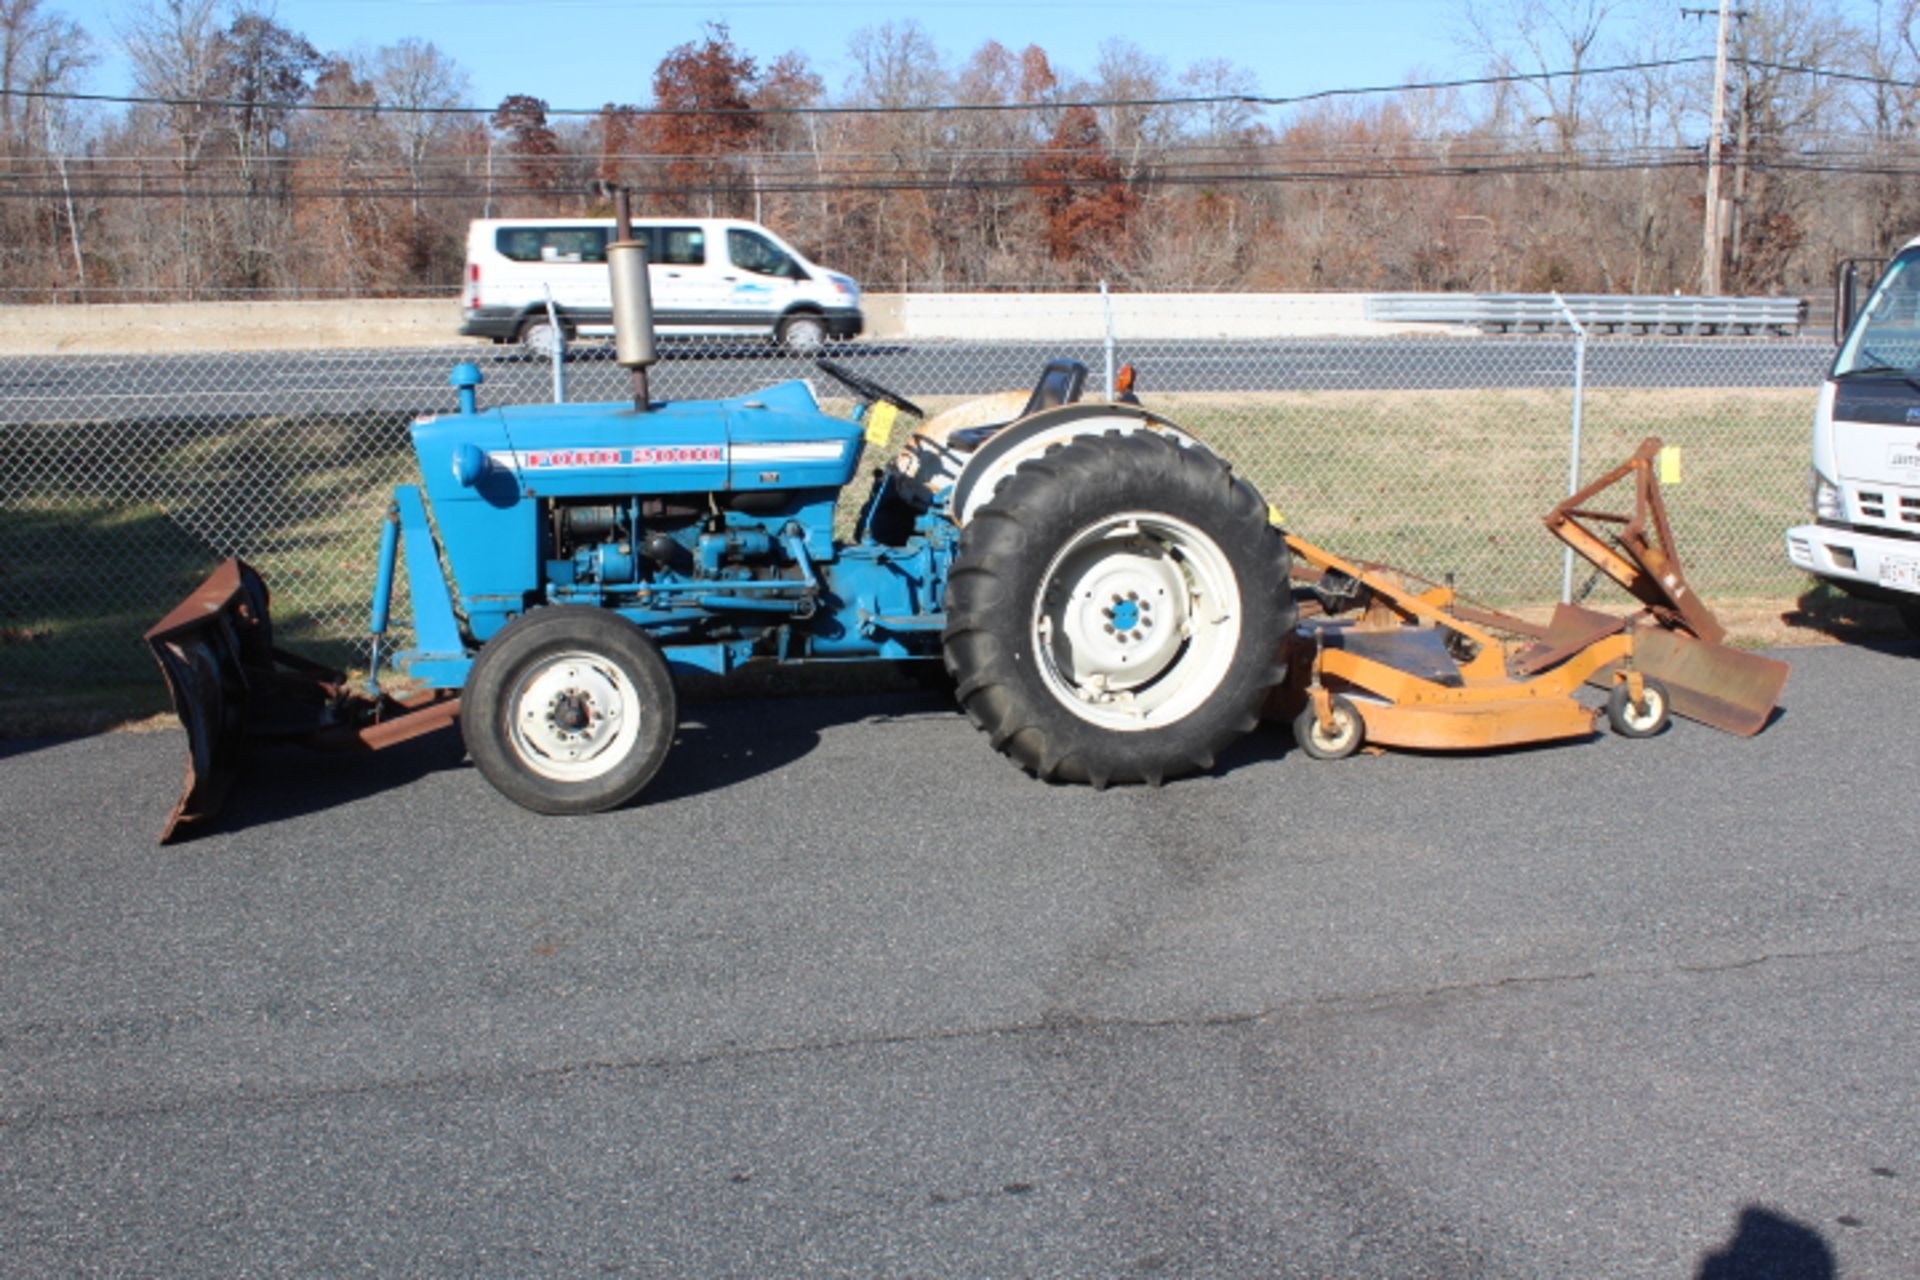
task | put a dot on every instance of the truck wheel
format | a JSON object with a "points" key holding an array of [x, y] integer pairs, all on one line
{"points": [[802, 334], [1115, 613], [569, 710], [1342, 740], [1645, 720]]}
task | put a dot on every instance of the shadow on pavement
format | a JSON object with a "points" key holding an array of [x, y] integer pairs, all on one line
{"points": [[1769, 1246], [719, 744]]}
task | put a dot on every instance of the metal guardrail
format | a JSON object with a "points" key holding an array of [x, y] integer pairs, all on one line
{"points": [[1617, 313]]}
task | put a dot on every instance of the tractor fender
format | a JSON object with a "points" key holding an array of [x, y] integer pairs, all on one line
{"points": [[988, 466]]}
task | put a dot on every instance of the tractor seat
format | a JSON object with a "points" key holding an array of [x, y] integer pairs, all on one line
{"points": [[1060, 383]]}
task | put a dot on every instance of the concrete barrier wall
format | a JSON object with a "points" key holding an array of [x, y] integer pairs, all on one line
{"points": [[128, 328], [133, 328]]}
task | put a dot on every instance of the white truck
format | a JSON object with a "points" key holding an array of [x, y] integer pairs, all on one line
{"points": [[1865, 535]]}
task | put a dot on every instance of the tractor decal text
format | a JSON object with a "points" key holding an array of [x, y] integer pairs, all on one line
{"points": [[638, 456]]}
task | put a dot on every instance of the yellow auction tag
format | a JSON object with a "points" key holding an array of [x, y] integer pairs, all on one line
{"points": [[880, 416], [1669, 464], [1273, 515]]}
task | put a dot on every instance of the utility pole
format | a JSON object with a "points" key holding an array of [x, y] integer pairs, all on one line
{"points": [[1713, 228]]}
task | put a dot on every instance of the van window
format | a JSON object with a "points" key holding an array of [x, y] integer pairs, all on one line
{"points": [[753, 252], [552, 244], [677, 246]]}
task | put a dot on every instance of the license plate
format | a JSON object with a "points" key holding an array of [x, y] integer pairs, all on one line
{"points": [[1900, 573]]}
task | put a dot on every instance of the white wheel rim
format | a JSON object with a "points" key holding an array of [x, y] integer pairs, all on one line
{"points": [[1639, 719], [1344, 724], [805, 335], [542, 340], [1136, 621], [574, 717]]}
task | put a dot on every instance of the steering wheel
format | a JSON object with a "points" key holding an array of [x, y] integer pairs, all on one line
{"points": [[867, 388]]}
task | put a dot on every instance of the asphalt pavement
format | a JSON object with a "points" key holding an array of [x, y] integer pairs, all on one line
{"points": [[846, 994]]}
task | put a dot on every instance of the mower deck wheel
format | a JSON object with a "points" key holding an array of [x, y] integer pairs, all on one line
{"points": [[1335, 742]]}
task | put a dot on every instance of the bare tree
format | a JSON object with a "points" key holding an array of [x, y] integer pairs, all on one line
{"points": [[420, 83], [1775, 108], [1127, 73], [41, 53], [1228, 119], [174, 46], [1536, 37], [896, 65]]}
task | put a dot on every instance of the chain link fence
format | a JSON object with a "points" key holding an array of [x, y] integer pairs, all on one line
{"points": [[124, 479]]}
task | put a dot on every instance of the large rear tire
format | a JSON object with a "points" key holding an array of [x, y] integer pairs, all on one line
{"points": [[569, 710], [1116, 611]]}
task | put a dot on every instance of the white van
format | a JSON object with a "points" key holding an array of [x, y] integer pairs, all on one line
{"points": [[708, 276]]}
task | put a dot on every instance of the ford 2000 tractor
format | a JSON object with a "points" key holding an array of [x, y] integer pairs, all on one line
{"points": [[1108, 598]]}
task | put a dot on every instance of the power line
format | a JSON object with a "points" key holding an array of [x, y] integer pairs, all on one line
{"points": [[1223, 99], [890, 183]]}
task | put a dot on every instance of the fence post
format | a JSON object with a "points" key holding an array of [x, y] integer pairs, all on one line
{"points": [[1106, 305], [557, 351], [1579, 404]]}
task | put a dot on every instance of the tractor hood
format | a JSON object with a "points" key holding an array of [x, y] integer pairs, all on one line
{"points": [[776, 438]]}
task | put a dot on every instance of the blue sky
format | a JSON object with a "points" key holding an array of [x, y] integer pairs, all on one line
{"points": [[582, 53]]}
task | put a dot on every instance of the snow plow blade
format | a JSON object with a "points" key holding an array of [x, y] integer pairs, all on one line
{"points": [[229, 684]]}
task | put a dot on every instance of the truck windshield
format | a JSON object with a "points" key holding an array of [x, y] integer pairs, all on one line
{"points": [[1886, 337]]}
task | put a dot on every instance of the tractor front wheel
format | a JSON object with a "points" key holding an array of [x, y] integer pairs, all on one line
{"points": [[1116, 611], [569, 710]]}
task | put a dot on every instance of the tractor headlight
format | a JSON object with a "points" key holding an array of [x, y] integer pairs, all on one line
{"points": [[1827, 503]]}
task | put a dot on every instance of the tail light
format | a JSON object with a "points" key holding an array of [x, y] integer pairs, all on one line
{"points": [[473, 286]]}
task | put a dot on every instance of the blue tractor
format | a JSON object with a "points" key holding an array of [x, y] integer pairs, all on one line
{"points": [[1108, 598]]}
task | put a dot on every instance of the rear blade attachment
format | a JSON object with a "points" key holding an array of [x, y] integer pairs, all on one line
{"points": [[1727, 688], [230, 684], [1730, 689]]}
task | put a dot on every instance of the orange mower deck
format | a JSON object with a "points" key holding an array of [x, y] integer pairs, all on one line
{"points": [[1417, 668]]}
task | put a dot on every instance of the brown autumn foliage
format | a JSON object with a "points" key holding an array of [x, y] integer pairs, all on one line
{"points": [[276, 168], [1084, 199]]}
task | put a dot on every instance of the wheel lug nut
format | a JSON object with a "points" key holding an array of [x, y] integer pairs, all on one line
{"points": [[1109, 626]]}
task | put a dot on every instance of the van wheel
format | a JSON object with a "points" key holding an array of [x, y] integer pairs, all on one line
{"points": [[803, 333], [540, 340]]}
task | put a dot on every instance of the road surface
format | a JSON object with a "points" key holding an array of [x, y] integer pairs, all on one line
{"points": [[846, 994]]}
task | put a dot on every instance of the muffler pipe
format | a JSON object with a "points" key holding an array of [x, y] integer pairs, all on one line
{"points": [[632, 301]]}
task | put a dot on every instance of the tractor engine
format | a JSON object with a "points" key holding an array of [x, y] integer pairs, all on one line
{"points": [[665, 541], [709, 524]]}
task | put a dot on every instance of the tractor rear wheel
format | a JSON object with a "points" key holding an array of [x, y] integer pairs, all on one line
{"points": [[1116, 611], [569, 710]]}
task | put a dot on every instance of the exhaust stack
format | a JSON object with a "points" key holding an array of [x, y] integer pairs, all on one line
{"points": [[632, 301]]}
